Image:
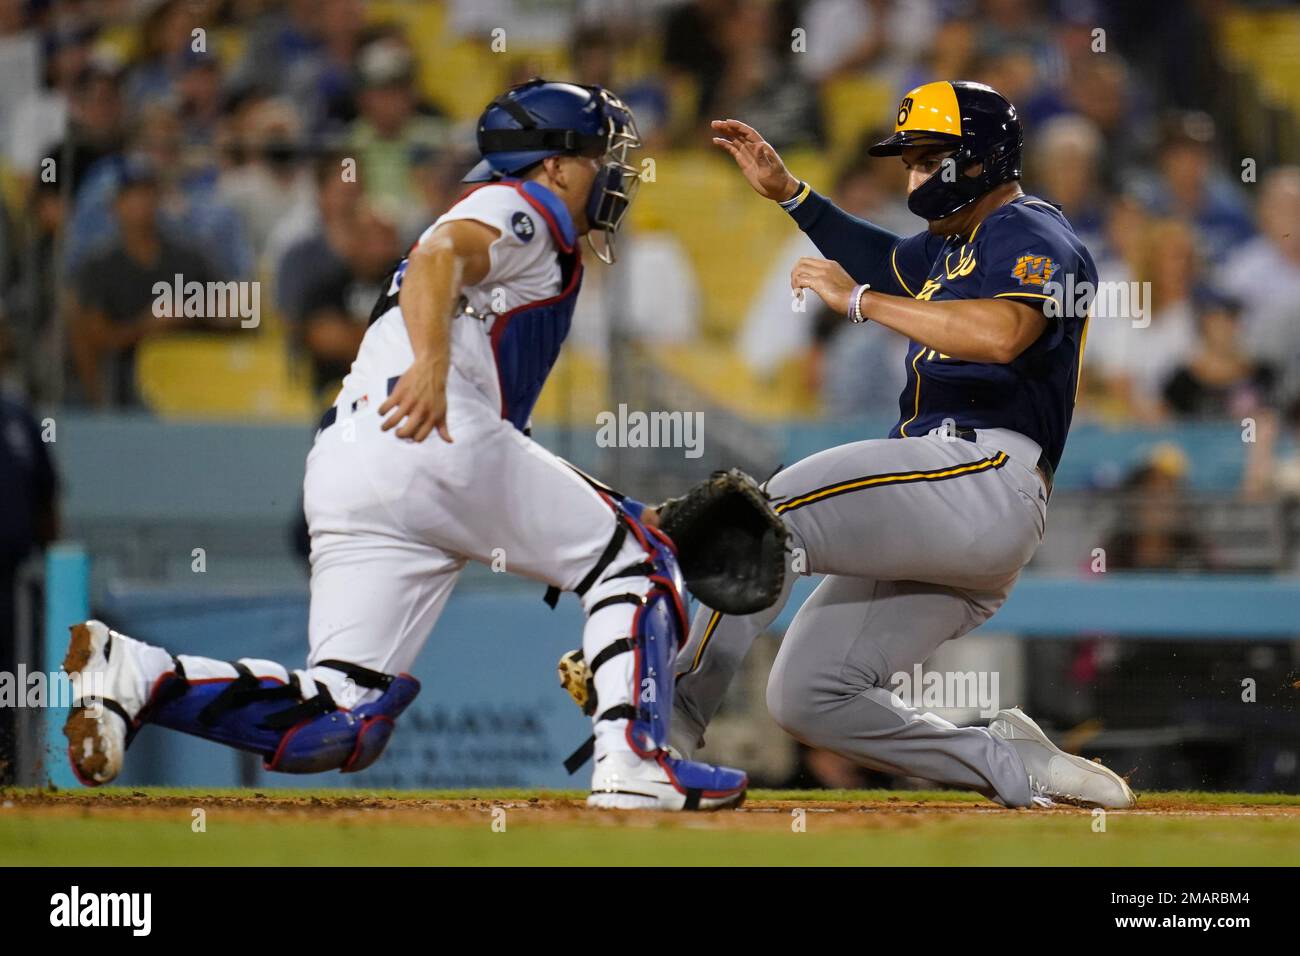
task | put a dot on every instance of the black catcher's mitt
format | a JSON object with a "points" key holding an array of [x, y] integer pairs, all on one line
{"points": [[730, 542]]}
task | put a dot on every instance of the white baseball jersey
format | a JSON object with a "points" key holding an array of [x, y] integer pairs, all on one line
{"points": [[393, 521], [524, 269]]}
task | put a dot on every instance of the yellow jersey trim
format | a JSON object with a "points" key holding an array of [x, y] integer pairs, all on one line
{"points": [[1030, 295], [916, 408], [893, 261]]}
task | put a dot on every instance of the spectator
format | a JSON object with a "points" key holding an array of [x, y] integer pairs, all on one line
{"points": [[28, 521], [1187, 187], [114, 309], [1265, 275], [758, 85], [1102, 90], [843, 36], [390, 134], [1135, 352], [881, 36], [657, 291], [314, 237], [272, 180], [31, 302], [595, 53], [950, 52], [437, 177], [199, 99], [854, 369], [192, 209], [95, 128], [1154, 532], [41, 117], [324, 84], [22, 59], [281, 44], [336, 305], [1065, 157], [1220, 380], [165, 52]]}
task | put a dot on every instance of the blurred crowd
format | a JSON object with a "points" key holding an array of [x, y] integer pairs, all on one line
{"points": [[301, 145], [212, 138]]}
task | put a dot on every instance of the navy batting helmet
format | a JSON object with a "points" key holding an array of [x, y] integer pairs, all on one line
{"points": [[980, 125], [537, 119]]}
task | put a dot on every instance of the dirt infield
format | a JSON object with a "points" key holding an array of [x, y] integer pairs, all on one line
{"points": [[193, 827], [833, 809]]}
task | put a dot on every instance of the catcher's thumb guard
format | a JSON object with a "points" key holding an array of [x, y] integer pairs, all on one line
{"points": [[730, 542]]}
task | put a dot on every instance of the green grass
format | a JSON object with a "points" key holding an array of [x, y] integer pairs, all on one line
{"points": [[1200, 797], [76, 834]]}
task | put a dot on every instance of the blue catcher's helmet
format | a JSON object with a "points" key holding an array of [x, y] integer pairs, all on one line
{"points": [[981, 127], [537, 119]]}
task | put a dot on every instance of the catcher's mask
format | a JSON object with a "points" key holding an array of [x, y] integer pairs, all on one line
{"points": [[980, 126], [537, 119]]}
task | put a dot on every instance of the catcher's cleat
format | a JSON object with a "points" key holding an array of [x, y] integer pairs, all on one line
{"points": [[108, 694], [576, 678], [625, 781], [1054, 775]]}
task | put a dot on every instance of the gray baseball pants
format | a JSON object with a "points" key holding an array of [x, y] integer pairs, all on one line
{"points": [[920, 541]]}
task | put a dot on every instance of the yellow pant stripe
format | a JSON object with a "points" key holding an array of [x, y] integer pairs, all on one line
{"points": [[704, 642], [902, 477]]}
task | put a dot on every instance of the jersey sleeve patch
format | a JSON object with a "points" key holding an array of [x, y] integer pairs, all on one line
{"points": [[522, 225], [1034, 270]]}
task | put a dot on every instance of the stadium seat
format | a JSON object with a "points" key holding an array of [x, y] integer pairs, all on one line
{"points": [[237, 375]]}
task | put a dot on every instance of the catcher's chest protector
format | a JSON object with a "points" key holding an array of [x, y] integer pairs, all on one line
{"points": [[526, 341]]}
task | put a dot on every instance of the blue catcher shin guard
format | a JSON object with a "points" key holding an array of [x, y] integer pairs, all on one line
{"points": [[658, 628], [271, 716]]}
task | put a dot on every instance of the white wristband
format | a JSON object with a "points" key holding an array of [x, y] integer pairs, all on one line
{"points": [[855, 303]]}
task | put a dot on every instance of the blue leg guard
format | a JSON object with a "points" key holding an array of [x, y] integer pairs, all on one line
{"points": [[268, 716], [658, 628], [654, 778]]}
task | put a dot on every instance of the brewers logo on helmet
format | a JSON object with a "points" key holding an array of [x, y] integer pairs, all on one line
{"points": [[981, 127]]}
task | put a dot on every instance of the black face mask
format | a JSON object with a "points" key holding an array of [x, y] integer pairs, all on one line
{"points": [[937, 197]]}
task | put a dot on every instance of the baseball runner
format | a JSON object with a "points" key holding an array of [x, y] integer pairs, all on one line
{"points": [[921, 535], [422, 464]]}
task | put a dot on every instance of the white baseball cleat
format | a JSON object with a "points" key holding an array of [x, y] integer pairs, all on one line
{"points": [[108, 690], [624, 781], [1054, 775]]}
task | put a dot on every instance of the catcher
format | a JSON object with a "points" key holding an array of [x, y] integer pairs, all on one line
{"points": [[422, 464], [921, 535]]}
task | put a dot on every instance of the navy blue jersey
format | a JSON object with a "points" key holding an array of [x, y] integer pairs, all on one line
{"points": [[1024, 251]]}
